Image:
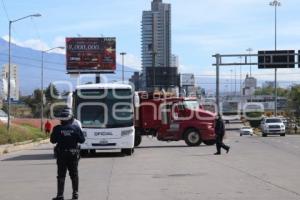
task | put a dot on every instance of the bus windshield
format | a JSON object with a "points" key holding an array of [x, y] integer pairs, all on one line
{"points": [[104, 108]]}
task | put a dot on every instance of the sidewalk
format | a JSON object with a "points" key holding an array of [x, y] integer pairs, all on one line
{"points": [[8, 148]]}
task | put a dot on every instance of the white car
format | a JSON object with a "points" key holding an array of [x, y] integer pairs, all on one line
{"points": [[3, 117], [246, 130], [272, 126]]}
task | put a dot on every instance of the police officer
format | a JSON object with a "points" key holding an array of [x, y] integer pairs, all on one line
{"points": [[220, 132], [67, 137]]}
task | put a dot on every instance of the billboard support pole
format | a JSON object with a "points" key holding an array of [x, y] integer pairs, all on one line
{"points": [[98, 80]]}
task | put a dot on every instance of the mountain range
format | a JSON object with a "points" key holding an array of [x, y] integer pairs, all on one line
{"points": [[29, 63]]}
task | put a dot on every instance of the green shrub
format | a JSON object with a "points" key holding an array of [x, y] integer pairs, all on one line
{"points": [[19, 134]]}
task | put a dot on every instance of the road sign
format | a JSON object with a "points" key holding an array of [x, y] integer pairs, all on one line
{"points": [[187, 80], [276, 59], [91, 55]]}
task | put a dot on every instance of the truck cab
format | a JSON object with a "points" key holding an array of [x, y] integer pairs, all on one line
{"points": [[174, 119]]}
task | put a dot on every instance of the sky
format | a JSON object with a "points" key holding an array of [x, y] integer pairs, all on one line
{"points": [[199, 29]]}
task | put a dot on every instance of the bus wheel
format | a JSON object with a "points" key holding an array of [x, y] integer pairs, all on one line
{"points": [[192, 137], [84, 153], [127, 152], [93, 151], [209, 142], [137, 140]]}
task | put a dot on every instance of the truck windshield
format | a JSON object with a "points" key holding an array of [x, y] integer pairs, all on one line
{"points": [[273, 121], [191, 104], [104, 109]]}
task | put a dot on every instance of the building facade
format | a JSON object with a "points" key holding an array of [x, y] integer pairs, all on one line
{"points": [[14, 82], [135, 80], [250, 85], [156, 39], [175, 61]]}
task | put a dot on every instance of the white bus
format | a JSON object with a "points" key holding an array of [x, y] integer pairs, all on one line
{"points": [[106, 112]]}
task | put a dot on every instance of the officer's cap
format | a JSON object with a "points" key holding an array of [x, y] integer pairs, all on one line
{"points": [[66, 113]]}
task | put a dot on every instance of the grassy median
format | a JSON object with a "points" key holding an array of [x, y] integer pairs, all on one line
{"points": [[19, 133]]}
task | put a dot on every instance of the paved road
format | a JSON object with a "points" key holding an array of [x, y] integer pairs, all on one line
{"points": [[256, 168]]}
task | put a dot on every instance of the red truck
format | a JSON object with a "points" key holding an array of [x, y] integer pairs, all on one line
{"points": [[170, 118]]}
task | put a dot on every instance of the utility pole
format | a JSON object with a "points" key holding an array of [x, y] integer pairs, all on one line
{"points": [[249, 51], [153, 67]]}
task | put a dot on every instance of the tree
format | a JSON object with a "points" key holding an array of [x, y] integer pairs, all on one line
{"points": [[34, 102], [271, 91], [294, 100], [51, 93]]}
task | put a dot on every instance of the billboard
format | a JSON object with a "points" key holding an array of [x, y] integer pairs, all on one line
{"points": [[187, 80], [91, 55], [161, 76], [276, 59]]}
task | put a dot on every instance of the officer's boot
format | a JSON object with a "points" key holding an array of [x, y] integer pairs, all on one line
{"points": [[75, 184], [60, 189]]}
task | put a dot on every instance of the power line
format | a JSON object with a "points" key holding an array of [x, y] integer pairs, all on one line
{"points": [[34, 59], [131, 71], [56, 63], [5, 10], [34, 66]]}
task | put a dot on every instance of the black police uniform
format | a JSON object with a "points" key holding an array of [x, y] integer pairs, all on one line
{"points": [[220, 132], [67, 137]]}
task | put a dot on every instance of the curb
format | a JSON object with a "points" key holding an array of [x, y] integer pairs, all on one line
{"points": [[5, 149]]}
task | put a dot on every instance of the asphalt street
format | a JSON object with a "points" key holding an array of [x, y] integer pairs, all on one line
{"points": [[255, 168]]}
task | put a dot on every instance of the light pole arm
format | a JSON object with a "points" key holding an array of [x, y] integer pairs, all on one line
{"points": [[35, 15]]}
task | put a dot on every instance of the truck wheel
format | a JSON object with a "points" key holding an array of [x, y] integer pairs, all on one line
{"points": [[127, 152], [282, 135], [137, 140], [192, 137], [209, 142], [264, 135]]}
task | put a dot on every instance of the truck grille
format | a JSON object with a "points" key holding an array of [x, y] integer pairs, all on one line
{"points": [[274, 126]]}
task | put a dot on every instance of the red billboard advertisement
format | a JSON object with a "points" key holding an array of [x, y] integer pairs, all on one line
{"points": [[91, 55]]}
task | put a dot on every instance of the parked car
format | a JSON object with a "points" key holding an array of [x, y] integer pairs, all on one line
{"points": [[3, 117], [246, 130], [272, 126]]}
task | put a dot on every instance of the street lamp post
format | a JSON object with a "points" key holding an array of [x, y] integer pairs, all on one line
{"points": [[9, 63], [42, 85], [249, 51], [123, 54], [275, 3]]}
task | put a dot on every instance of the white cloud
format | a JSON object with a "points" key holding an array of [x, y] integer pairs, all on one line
{"points": [[38, 44], [59, 41], [30, 43], [130, 60]]}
